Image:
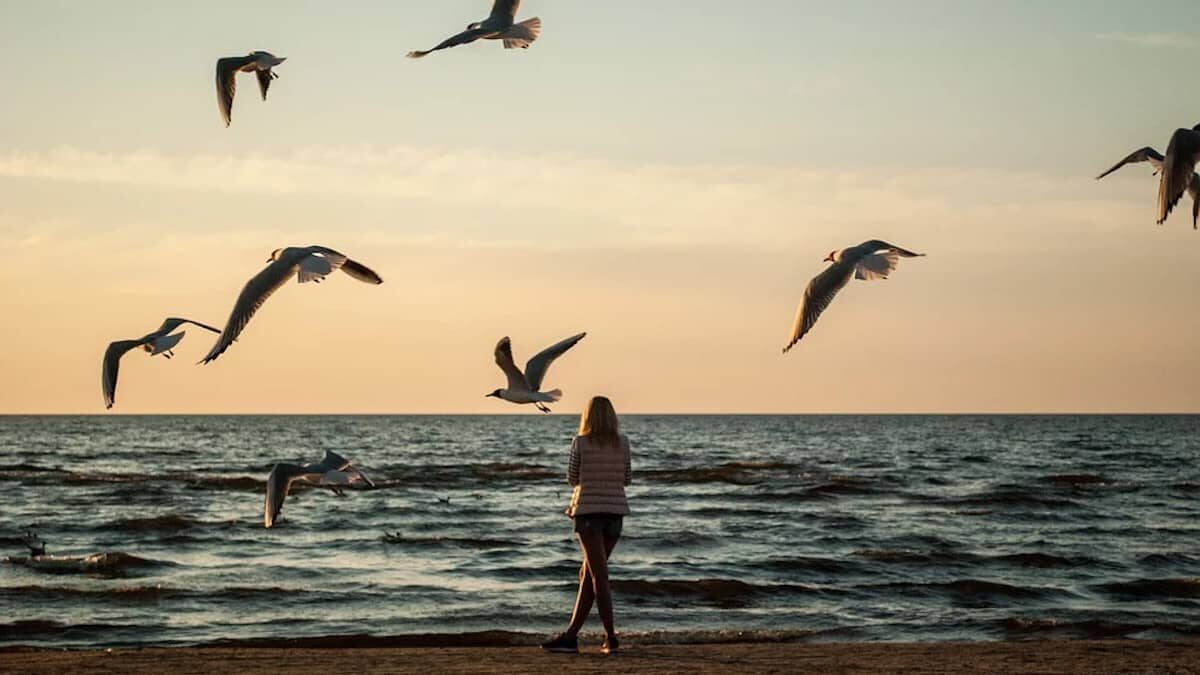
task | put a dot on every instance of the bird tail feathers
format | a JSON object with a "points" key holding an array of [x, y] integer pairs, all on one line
{"points": [[521, 35], [554, 394]]}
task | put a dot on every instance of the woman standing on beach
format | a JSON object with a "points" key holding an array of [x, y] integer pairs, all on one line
{"points": [[599, 469]]}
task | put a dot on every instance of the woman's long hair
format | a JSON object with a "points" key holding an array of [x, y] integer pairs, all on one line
{"points": [[599, 422]]}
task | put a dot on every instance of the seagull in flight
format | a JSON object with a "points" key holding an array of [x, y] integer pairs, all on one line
{"points": [[525, 387], [161, 341], [498, 26], [259, 63], [1178, 172], [1156, 159], [868, 261], [333, 472], [308, 263]]}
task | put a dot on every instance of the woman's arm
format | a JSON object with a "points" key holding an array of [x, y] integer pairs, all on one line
{"points": [[573, 464]]}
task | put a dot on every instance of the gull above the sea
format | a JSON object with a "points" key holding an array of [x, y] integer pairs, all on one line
{"points": [[1178, 171], [498, 26], [333, 472], [868, 261], [161, 341], [524, 387], [308, 263], [259, 63], [1155, 159]]}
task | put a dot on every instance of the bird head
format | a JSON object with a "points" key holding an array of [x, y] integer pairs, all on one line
{"points": [[1196, 128], [832, 257], [275, 255], [494, 393]]}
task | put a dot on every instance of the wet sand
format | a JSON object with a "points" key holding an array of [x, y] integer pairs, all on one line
{"points": [[1110, 656]]}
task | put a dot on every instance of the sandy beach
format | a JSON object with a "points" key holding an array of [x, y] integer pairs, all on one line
{"points": [[1115, 656]]}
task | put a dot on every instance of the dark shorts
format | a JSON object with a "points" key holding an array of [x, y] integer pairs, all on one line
{"points": [[607, 524]]}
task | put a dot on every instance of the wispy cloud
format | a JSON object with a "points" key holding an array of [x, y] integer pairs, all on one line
{"points": [[498, 199], [1175, 40]]}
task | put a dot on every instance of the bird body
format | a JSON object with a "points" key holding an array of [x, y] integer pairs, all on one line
{"points": [[1178, 173], [501, 24], [260, 63], [525, 387], [161, 341], [307, 263], [868, 261], [1156, 159], [333, 471]]}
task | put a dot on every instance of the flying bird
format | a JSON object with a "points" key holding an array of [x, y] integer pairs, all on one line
{"points": [[868, 261], [333, 472], [308, 263], [1178, 172], [1156, 159], [259, 63], [161, 341], [525, 387], [498, 26]]}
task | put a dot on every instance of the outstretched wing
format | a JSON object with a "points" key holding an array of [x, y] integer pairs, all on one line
{"points": [[111, 365], [264, 81], [535, 369], [817, 296], [277, 488], [253, 295], [352, 267], [175, 322], [227, 69], [1178, 167], [504, 359], [1146, 154], [878, 245], [465, 37], [505, 9]]}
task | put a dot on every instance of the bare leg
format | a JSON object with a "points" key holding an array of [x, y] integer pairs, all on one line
{"points": [[596, 549]]}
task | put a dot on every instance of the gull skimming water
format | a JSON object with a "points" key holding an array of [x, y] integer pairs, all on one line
{"points": [[333, 472]]}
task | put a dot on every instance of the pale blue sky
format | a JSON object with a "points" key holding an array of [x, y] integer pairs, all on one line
{"points": [[948, 82], [665, 175]]}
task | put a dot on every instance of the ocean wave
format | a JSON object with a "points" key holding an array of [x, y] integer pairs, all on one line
{"points": [[1004, 497], [400, 539], [720, 592], [734, 473], [1154, 588], [1168, 559], [1032, 628], [1077, 479], [971, 589], [167, 523], [908, 556], [1044, 560], [111, 564]]}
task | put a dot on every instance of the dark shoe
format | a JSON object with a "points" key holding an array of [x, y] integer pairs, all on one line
{"points": [[610, 644], [562, 644]]}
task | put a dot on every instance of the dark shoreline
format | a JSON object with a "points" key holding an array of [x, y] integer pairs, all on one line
{"points": [[1122, 656]]}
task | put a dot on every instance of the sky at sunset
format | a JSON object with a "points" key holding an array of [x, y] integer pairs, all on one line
{"points": [[665, 175]]}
